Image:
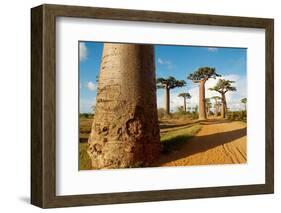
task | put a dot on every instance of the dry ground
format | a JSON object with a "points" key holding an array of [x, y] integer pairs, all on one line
{"points": [[218, 142], [186, 142]]}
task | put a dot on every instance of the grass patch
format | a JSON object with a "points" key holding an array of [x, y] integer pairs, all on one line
{"points": [[84, 159], [173, 140], [85, 128]]}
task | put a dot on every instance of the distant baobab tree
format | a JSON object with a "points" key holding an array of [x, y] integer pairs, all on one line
{"points": [[185, 97], [201, 76], [195, 109], [208, 105], [216, 104], [244, 101], [222, 87], [168, 84]]}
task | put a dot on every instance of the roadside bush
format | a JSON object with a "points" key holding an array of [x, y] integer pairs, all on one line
{"points": [[194, 115], [86, 115], [178, 114], [237, 115], [180, 111]]}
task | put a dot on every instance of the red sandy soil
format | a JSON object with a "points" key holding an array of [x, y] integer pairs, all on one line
{"points": [[218, 142]]}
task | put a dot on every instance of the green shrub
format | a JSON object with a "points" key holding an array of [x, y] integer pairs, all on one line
{"points": [[237, 115], [86, 115], [194, 115]]}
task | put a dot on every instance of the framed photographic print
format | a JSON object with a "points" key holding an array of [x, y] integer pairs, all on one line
{"points": [[136, 106]]}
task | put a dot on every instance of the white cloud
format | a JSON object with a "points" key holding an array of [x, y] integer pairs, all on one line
{"points": [[91, 86], [212, 49], [162, 61], [165, 62], [83, 51]]}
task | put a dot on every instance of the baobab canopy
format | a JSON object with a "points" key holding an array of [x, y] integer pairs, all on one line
{"points": [[244, 100], [203, 73], [201, 76], [169, 83], [185, 95], [223, 86]]}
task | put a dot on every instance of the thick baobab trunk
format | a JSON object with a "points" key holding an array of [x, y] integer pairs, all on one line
{"points": [[125, 131], [184, 104], [202, 109], [223, 106], [167, 100]]}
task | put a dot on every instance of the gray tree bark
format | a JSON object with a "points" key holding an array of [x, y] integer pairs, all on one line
{"points": [[216, 107], [125, 131], [223, 106], [202, 107], [167, 100]]}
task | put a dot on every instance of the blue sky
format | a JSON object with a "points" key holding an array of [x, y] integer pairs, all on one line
{"points": [[177, 61]]}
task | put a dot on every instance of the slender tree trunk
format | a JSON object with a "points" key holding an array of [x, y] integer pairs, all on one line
{"points": [[167, 100], [223, 106], [125, 131], [202, 108], [216, 107], [184, 98]]}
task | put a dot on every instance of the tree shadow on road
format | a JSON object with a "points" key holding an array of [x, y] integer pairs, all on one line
{"points": [[215, 121], [165, 125], [198, 144]]}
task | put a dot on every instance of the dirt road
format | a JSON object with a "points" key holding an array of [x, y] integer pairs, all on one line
{"points": [[218, 142]]}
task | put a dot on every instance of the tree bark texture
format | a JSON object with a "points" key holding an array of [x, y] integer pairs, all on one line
{"points": [[223, 106], [167, 100], [202, 108], [184, 104], [125, 131]]}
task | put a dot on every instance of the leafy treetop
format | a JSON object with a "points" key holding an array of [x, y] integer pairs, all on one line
{"points": [[169, 83], [185, 95], [203, 73], [244, 100], [223, 86], [216, 97]]}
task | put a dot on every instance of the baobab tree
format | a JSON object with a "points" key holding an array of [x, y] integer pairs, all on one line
{"points": [[208, 105], [185, 97], [201, 76], [216, 104], [222, 87], [125, 131], [244, 101], [168, 84]]}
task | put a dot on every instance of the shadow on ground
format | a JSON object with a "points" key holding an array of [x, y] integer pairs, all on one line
{"points": [[199, 144], [166, 126]]}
